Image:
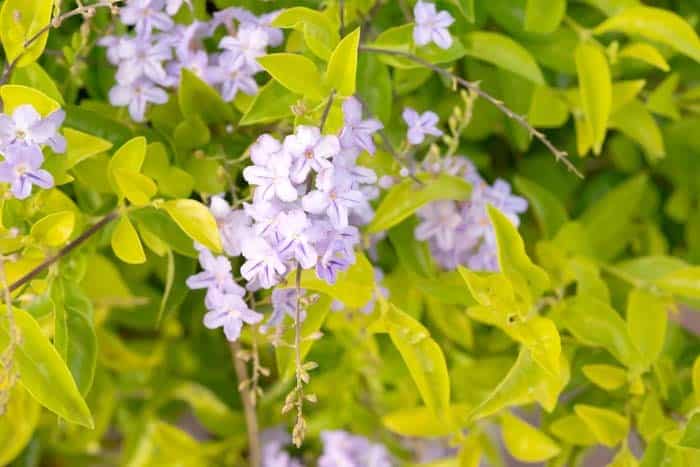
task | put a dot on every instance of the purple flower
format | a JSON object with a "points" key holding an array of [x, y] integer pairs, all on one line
{"points": [[140, 58], [420, 125], [233, 75], [295, 243], [22, 169], [216, 275], [197, 62], [341, 448], [310, 150], [284, 302], [335, 248], [146, 15], [263, 263], [234, 225], [440, 220], [264, 148], [136, 96], [334, 197], [431, 25], [357, 132], [230, 312], [273, 454], [112, 44], [272, 178], [248, 19], [249, 42], [499, 195], [26, 126], [266, 215]]}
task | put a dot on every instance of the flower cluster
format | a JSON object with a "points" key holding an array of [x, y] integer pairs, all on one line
{"points": [[431, 25], [343, 448], [22, 137], [151, 59], [274, 440], [310, 195], [461, 232]]}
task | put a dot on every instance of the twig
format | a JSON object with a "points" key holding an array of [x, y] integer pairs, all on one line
{"points": [[559, 155], [341, 12], [298, 434], [251, 419], [64, 251], [327, 110], [54, 23]]}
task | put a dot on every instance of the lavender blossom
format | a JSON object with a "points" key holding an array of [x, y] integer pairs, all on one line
{"points": [[310, 150], [146, 15], [22, 169], [341, 448], [272, 179], [274, 440], [335, 197], [141, 58], [249, 42], [228, 311], [420, 125], [431, 25], [26, 126], [284, 302], [357, 132], [234, 75], [296, 243], [137, 95], [216, 275], [263, 264]]}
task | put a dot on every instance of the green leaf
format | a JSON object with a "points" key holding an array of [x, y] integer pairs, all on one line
{"points": [[548, 210], [571, 429], [320, 35], [210, 411], [607, 377], [597, 324], [14, 95], [655, 24], [315, 316], [129, 156], [342, 66], [95, 123], [160, 225], [55, 229], [34, 76], [407, 197], [662, 101], [44, 374], [683, 282], [305, 80], [609, 427], [196, 221], [646, 53], [414, 255], [504, 52], [80, 146], [647, 320], [513, 258], [526, 382], [20, 21], [273, 102], [422, 422], [198, 98], [635, 121], [547, 108], [466, 7], [525, 442], [374, 86], [544, 16], [138, 188], [401, 38], [126, 243], [595, 87], [353, 287], [19, 420], [624, 458], [74, 333], [691, 433], [608, 222]]}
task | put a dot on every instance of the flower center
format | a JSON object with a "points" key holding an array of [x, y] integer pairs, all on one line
{"points": [[309, 153], [21, 169]]}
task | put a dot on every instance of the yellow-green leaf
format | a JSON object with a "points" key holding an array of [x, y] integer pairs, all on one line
{"points": [[320, 35], [422, 422], [80, 146], [544, 16], [43, 372], [606, 376], [20, 21], [305, 80], [129, 156], [342, 66], [635, 121], [196, 221], [571, 429], [662, 100], [684, 282], [525, 442], [609, 427], [646, 53], [19, 421], [547, 108], [655, 24], [54, 229], [647, 320], [595, 86], [138, 188], [504, 52], [126, 243], [14, 95]]}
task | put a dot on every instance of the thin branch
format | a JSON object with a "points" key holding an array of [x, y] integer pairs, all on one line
{"points": [[298, 435], [251, 419], [327, 110], [64, 251], [55, 23], [559, 155], [341, 12]]}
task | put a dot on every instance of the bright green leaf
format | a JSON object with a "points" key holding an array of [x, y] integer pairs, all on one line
{"points": [[19, 420], [273, 102], [54, 229], [20, 21], [126, 243], [525, 442], [306, 79], [547, 208], [647, 320], [544, 16], [196, 221], [198, 98], [607, 377], [503, 52], [138, 188], [609, 427], [646, 53], [341, 73], [14, 95], [595, 86], [129, 156]]}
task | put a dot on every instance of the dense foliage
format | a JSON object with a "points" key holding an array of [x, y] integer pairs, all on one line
{"points": [[329, 182]]}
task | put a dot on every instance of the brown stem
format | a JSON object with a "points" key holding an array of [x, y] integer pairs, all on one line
{"points": [[559, 155], [64, 251], [251, 419], [327, 110]]}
